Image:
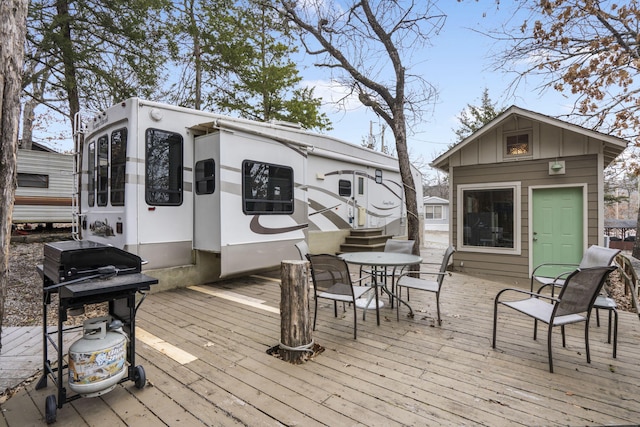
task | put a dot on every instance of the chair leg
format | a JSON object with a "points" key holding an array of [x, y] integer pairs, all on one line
{"points": [[586, 339], [615, 331], [438, 308], [598, 319], [549, 336], [564, 341], [355, 322], [495, 322], [399, 289], [335, 308], [315, 313]]}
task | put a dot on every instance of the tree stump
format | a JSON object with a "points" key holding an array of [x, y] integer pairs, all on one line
{"points": [[295, 330]]}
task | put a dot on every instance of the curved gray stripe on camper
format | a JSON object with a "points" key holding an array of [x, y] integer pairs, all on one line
{"points": [[330, 215], [258, 228]]}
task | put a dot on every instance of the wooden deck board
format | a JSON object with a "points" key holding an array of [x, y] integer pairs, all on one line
{"points": [[411, 372]]}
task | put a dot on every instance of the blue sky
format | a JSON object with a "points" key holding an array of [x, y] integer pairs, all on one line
{"points": [[459, 64]]}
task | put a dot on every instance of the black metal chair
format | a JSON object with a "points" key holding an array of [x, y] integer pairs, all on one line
{"points": [[573, 305], [332, 281], [414, 280]]}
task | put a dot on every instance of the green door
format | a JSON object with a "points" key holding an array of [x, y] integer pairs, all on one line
{"points": [[557, 228]]}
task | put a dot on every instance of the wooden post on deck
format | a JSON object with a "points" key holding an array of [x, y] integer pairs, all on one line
{"points": [[295, 330]]}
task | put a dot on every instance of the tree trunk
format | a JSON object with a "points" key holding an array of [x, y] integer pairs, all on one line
{"points": [[28, 117], [68, 59], [636, 245], [413, 222], [13, 15], [295, 328]]}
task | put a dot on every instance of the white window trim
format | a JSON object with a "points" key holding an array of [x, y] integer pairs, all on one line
{"points": [[516, 186]]}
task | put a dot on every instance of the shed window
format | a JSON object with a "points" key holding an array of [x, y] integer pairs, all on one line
{"points": [[518, 144], [266, 188], [489, 217]]}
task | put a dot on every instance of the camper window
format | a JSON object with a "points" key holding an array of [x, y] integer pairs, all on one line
{"points": [[205, 176], [118, 163], [344, 188], [91, 174], [266, 188], [103, 170], [163, 168], [33, 180]]}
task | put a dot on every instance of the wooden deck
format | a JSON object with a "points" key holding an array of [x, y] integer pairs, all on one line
{"points": [[204, 351]]}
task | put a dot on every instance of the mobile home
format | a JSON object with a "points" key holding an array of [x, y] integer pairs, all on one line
{"points": [[45, 187], [202, 196]]}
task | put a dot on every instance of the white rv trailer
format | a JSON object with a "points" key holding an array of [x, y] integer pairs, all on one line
{"points": [[45, 187], [202, 196]]}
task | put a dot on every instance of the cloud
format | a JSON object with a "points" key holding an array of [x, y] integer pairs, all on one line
{"points": [[336, 97]]}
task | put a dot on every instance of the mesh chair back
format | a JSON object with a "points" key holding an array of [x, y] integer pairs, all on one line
{"points": [[399, 246], [303, 249], [445, 263], [598, 256], [330, 274], [581, 289]]}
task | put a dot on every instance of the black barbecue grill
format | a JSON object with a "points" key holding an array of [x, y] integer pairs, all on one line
{"points": [[73, 260], [86, 272]]}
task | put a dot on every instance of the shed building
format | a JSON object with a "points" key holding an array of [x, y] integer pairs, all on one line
{"points": [[526, 189]]}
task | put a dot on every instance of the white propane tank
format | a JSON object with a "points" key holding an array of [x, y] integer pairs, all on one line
{"points": [[97, 361]]}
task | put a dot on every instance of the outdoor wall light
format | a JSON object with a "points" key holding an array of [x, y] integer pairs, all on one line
{"points": [[556, 168]]}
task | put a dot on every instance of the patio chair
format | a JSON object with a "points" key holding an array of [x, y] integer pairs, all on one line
{"points": [[303, 249], [409, 281], [595, 256], [332, 281], [604, 302], [573, 305]]}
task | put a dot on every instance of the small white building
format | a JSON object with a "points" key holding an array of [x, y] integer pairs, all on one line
{"points": [[436, 213]]}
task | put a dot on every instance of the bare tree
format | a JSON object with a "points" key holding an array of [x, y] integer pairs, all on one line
{"points": [[371, 45], [13, 22], [590, 49]]}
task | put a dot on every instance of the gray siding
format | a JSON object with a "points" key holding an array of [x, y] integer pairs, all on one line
{"points": [[579, 170]]}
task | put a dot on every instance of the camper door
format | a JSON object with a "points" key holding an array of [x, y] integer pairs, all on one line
{"points": [[359, 203], [206, 188]]}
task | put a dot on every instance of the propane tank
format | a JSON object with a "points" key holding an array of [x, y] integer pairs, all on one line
{"points": [[97, 361]]}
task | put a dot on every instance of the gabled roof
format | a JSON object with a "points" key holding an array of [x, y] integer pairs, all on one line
{"points": [[434, 200], [613, 145]]}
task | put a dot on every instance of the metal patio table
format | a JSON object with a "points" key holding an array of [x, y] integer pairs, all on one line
{"points": [[380, 261]]}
